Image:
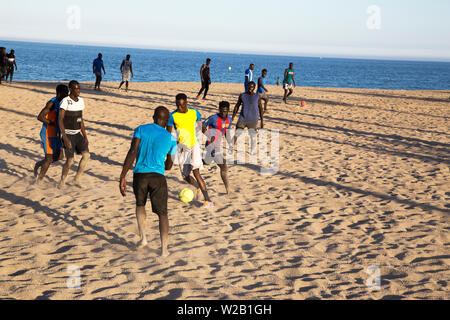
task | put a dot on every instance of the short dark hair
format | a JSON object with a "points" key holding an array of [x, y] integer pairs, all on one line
{"points": [[252, 82], [62, 89], [181, 96], [208, 59], [73, 83], [264, 70], [224, 104]]}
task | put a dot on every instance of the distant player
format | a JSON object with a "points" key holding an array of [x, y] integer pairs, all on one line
{"points": [[152, 148], [126, 68], [97, 68], [248, 76], [289, 82], [215, 128], [74, 137], [50, 133], [205, 74], [184, 120], [11, 65], [262, 90]]}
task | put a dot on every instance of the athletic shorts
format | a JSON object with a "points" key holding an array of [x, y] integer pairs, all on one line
{"points": [[214, 155], [51, 145], [242, 125], [263, 96], [79, 145], [288, 86], [155, 185], [126, 76], [189, 159]]}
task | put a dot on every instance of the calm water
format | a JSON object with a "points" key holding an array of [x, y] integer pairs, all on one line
{"points": [[50, 62]]}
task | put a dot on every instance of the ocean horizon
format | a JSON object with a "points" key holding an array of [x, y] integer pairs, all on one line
{"points": [[64, 62]]}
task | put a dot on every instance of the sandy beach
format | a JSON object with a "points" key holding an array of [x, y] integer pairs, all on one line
{"points": [[363, 182]]}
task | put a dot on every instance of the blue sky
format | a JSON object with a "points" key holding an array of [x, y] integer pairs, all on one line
{"points": [[414, 29]]}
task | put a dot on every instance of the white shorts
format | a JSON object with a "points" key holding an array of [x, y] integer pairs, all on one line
{"points": [[126, 76], [189, 159], [288, 86]]}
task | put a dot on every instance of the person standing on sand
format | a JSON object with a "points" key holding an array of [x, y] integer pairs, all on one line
{"points": [[73, 132], [205, 75], [215, 128], [262, 90], [97, 68], [153, 148], [248, 76], [50, 134], [3, 63], [289, 82], [126, 68], [11, 64], [252, 111], [184, 121]]}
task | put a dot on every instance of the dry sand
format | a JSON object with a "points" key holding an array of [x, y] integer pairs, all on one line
{"points": [[363, 181]]}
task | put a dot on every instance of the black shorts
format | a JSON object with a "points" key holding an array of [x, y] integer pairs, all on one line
{"points": [[155, 185], [79, 145]]}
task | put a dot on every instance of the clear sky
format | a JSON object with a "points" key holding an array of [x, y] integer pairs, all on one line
{"points": [[417, 29]]}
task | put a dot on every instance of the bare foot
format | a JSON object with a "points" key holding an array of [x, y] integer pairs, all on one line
{"points": [[36, 170], [165, 253], [142, 244], [61, 185]]}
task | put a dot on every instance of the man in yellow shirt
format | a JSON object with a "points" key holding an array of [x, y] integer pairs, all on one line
{"points": [[184, 121]]}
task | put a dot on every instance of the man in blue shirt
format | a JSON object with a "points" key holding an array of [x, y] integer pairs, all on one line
{"points": [[97, 68], [249, 76], [262, 90], [152, 148]]}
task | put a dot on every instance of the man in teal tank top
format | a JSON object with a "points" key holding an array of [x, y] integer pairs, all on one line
{"points": [[289, 82]]}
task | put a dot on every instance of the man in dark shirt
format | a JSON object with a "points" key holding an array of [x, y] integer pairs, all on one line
{"points": [[206, 79]]}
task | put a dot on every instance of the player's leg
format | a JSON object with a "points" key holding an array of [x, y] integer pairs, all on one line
{"points": [[224, 174], [66, 168], [159, 197], [82, 147], [140, 188]]}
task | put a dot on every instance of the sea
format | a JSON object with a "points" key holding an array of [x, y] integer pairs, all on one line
{"points": [[61, 62]]}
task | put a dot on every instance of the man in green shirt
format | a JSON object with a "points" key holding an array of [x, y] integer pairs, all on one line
{"points": [[289, 82]]}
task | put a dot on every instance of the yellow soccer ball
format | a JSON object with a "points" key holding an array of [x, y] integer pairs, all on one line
{"points": [[186, 195]]}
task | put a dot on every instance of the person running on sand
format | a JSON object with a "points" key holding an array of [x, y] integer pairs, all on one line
{"points": [[153, 148], [289, 82], [262, 90], [97, 68], [215, 128], [184, 120], [73, 132], [205, 75], [127, 72], [50, 133]]}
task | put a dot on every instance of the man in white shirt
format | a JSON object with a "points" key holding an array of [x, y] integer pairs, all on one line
{"points": [[127, 72], [73, 132]]}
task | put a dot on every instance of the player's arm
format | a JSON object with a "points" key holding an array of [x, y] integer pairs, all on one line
{"points": [[236, 108], [285, 75], [83, 131], [121, 66], [93, 67], [131, 69], [261, 113], [44, 112], [103, 67], [129, 160], [201, 72], [62, 114]]}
